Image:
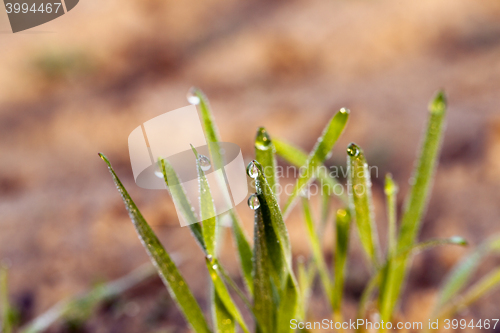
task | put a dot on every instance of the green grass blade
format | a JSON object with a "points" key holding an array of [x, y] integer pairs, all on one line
{"points": [[455, 240], [342, 225], [316, 251], [226, 310], [271, 211], [325, 208], [224, 321], [424, 172], [485, 286], [360, 196], [306, 275], [391, 190], [318, 155], [265, 153], [209, 126], [264, 307], [415, 204], [288, 305], [298, 158], [167, 269], [367, 295], [182, 202], [244, 251], [462, 273], [212, 136], [207, 209], [223, 293], [269, 215]]}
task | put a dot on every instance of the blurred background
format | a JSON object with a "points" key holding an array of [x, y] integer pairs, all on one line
{"points": [[80, 84]]}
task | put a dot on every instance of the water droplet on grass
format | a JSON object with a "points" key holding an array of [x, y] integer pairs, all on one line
{"points": [[345, 111], [252, 170], [253, 202], [204, 162], [353, 150], [192, 97]]}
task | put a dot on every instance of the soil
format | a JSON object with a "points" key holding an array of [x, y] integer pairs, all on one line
{"points": [[80, 84]]}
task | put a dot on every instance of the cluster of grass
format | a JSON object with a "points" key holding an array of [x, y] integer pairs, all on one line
{"points": [[277, 287]]}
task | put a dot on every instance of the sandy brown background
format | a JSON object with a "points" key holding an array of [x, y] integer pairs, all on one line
{"points": [[79, 85]]}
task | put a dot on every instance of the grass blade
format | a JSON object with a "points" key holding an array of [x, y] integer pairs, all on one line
{"points": [[265, 153], [264, 307], [207, 209], [209, 127], [269, 214], [223, 293], [298, 158], [182, 202], [318, 155], [270, 209], [360, 195], [244, 251], [223, 320], [367, 294], [415, 204], [306, 275], [167, 269], [342, 225], [462, 273], [424, 173], [288, 305], [455, 240], [224, 307], [212, 136], [316, 250], [486, 285], [391, 190]]}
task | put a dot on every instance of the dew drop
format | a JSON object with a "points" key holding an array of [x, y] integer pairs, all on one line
{"points": [[158, 171], [215, 266], [252, 170], [204, 162], [345, 111], [253, 202], [263, 140], [209, 257], [192, 97], [353, 150]]}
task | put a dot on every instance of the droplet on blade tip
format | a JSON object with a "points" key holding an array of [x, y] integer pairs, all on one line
{"points": [[253, 202], [252, 170], [345, 111], [192, 96], [204, 162], [353, 150]]}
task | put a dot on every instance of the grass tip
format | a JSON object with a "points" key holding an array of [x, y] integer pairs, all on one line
{"points": [[438, 103], [353, 150], [390, 186], [345, 111], [459, 241]]}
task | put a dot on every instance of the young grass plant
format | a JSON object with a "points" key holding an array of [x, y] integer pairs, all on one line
{"points": [[276, 293]]}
